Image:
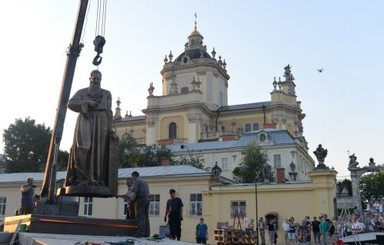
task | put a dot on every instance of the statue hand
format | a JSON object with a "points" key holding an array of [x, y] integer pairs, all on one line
{"points": [[91, 103], [84, 110]]}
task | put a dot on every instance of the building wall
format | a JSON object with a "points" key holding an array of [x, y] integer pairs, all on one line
{"points": [[296, 199], [287, 200]]}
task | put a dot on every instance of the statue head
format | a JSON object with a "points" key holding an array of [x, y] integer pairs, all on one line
{"points": [[95, 77]]}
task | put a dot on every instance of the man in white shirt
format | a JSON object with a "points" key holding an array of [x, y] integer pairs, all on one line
{"points": [[285, 227]]}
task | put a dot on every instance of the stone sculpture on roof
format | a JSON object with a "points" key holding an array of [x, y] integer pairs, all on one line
{"points": [[320, 154]]}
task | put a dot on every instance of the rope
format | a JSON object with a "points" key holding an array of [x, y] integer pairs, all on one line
{"points": [[101, 17], [85, 22]]}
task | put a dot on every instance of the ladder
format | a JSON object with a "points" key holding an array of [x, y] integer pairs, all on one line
{"points": [[340, 224], [238, 216]]}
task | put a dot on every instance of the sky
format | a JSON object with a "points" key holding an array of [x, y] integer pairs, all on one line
{"points": [[256, 38]]}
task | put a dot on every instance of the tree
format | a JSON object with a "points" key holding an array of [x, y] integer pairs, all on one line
{"points": [[129, 154], [254, 164], [62, 160], [153, 155], [26, 147], [195, 160], [371, 186], [346, 183], [133, 155]]}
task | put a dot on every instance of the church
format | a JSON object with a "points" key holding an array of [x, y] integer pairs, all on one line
{"points": [[192, 115]]}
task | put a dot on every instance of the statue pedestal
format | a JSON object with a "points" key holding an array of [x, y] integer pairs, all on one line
{"points": [[86, 191]]}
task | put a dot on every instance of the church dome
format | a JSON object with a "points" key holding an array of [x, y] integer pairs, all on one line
{"points": [[192, 54]]}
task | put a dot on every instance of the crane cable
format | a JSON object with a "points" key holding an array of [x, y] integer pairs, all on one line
{"points": [[101, 19]]}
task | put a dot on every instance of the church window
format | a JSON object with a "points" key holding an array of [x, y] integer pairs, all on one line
{"points": [[248, 127], [172, 130], [184, 90], [185, 59], [255, 127]]}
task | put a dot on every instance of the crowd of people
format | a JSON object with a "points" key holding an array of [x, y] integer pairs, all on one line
{"points": [[325, 231]]}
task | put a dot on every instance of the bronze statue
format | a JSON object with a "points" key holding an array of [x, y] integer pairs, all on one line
{"points": [[89, 162]]}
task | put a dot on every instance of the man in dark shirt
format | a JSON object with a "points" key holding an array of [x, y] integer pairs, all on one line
{"points": [[316, 230], [174, 212], [27, 197], [141, 198]]}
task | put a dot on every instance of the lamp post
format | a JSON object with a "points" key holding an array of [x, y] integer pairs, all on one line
{"points": [[257, 173]]}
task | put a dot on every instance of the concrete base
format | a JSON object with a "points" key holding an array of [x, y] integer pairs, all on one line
{"points": [[26, 238], [72, 225]]}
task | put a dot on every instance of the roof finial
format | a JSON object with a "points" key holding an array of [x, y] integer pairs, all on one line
{"points": [[195, 21]]}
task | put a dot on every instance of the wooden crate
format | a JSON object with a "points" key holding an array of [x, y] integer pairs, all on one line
{"points": [[230, 236]]}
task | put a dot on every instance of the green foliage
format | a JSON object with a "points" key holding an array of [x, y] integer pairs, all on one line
{"points": [[26, 146], [254, 164], [62, 160], [129, 154], [371, 185], [153, 155], [346, 183], [194, 159], [133, 155]]}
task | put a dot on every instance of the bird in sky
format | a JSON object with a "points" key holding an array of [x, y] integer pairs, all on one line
{"points": [[320, 70]]}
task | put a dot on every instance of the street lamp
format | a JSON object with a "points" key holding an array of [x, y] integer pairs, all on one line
{"points": [[257, 175]]}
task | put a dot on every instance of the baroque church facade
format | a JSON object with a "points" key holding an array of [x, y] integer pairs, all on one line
{"points": [[192, 115]]}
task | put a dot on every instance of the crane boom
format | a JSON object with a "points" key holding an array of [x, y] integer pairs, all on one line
{"points": [[48, 186]]}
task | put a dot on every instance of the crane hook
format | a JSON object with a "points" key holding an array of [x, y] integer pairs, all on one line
{"points": [[99, 43], [97, 60]]}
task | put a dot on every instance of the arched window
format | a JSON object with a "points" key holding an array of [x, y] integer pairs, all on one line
{"points": [[255, 127], [247, 127], [184, 90], [172, 130]]}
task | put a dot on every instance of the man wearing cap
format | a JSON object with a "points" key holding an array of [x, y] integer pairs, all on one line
{"points": [[174, 212], [141, 197]]}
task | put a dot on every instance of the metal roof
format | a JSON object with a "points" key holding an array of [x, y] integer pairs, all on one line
{"points": [[277, 136], [244, 106], [130, 118], [145, 172]]}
